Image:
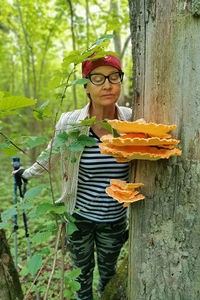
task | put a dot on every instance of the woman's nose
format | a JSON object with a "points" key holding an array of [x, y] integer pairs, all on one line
{"points": [[107, 84]]}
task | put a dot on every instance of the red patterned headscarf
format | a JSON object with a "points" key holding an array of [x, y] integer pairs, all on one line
{"points": [[108, 60]]}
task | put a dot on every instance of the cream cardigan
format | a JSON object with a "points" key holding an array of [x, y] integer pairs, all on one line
{"points": [[69, 185]]}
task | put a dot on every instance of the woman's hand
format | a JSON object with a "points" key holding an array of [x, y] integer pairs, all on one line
{"points": [[15, 171]]}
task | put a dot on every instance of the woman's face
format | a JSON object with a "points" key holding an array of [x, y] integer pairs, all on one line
{"points": [[107, 93]]}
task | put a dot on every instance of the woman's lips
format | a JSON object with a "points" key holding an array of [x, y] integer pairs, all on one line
{"points": [[107, 95]]}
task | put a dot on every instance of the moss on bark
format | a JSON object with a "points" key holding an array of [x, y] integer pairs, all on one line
{"points": [[116, 289]]}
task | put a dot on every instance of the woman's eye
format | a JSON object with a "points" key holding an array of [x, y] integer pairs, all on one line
{"points": [[114, 76], [97, 78]]}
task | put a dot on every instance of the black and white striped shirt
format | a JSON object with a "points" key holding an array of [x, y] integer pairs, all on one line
{"points": [[95, 172]]}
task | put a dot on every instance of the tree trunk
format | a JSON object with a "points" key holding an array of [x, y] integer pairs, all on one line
{"points": [[164, 243], [10, 288]]}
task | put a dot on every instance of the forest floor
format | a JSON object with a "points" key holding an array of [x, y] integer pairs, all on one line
{"points": [[43, 248]]}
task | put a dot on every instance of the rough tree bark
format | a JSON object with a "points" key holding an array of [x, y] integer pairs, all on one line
{"points": [[164, 243], [10, 288]]}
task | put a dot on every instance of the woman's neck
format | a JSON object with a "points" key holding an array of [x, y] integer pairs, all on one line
{"points": [[102, 113]]}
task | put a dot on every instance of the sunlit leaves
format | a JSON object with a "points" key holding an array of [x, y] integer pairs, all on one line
{"points": [[15, 102], [9, 149], [42, 111], [103, 38], [80, 81]]}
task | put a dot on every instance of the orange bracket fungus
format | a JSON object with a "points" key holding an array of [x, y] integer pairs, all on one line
{"points": [[124, 192], [139, 140]]}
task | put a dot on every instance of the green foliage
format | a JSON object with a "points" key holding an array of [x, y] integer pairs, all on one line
{"points": [[61, 139], [41, 237], [71, 285], [34, 264], [34, 192], [31, 68], [109, 128], [42, 112], [34, 141], [7, 215], [8, 104]]}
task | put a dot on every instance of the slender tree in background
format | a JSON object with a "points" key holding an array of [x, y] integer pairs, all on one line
{"points": [[164, 261], [69, 2]]}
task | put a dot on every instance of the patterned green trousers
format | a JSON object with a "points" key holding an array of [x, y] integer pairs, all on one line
{"points": [[107, 239]]}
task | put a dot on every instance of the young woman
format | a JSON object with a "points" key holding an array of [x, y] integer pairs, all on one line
{"points": [[101, 220]]}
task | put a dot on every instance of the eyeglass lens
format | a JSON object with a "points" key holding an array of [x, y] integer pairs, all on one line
{"points": [[99, 79]]}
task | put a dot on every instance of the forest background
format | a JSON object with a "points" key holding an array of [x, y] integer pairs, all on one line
{"points": [[35, 39]]}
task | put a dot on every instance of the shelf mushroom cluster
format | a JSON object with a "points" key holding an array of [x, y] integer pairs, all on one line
{"points": [[139, 140], [124, 192]]}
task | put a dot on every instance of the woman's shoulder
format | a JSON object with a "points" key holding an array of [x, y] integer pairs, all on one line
{"points": [[125, 113], [71, 117]]}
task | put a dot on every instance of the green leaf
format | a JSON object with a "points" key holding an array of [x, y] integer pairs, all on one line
{"points": [[24, 271], [59, 209], [109, 128], [3, 225], [34, 192], [61, 139], [75, 147], [42, 111], [10, 150], [80, 81], [74, 133], [88, 122], [44, 105], [44, 208], [106, 126], [68, 294], [45, 251], [26, 206], [74, 274], [70, 228], [75, 285], [73, 159], [72, 57], [8, 214], [1, 94], [115, 133], [41, 237], [36, 141], [86, 140], [34, 264], [10, 112], [15, 102], [103, 38]]}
